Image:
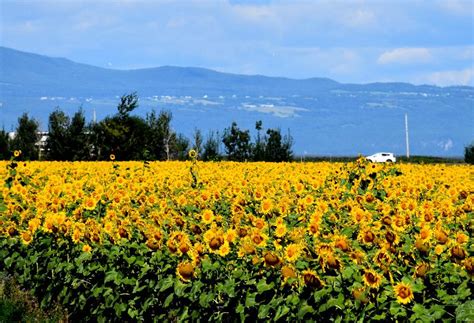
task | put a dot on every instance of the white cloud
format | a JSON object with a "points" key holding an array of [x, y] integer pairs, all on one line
{"points": [[453, 77], [405, 56], [360, 18], [457, 7], [446, 144], [255, 13]]}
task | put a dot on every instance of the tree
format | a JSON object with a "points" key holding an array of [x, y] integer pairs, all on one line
{"points": [[259, 149], [123, 135], [278, 149], [77, 137], [128, 103], [5, 152], [237, 143], [197, 138], [179, 147], [160, 135], [211, 147], [26, 138], [469, 154], [57, 142]]}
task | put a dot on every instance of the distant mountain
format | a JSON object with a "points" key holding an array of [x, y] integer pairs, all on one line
{"points": [[324, 116]]}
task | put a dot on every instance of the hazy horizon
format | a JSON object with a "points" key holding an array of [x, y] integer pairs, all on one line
{"points": [[418, 42]]}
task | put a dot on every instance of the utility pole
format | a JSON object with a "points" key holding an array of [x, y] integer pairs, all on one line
{"points": [[406, 136]]}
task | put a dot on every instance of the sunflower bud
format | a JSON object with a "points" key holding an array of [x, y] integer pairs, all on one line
{"points": [[422, 270], [271, 259], [458, 253]]}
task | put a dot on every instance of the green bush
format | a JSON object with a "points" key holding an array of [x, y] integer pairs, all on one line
{"points": [[469, 154]]}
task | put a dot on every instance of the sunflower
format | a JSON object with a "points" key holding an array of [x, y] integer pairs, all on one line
{"points": [[360, 295], [259, 238], [462, 238], [34, 224], [89, 203], [341, 242], [207, 216], [271, 259], [382, 259], [372, 278], [422, 269], [231, 235], [192, 154], [366, 236], [17, 153], [266, 206], [185, 271], [112, 157], [469, 266], [403, 293], [425, 233], [312, 280], [26, 237], [287, 272], [280, 230], [292, 252], [224, 249], [86, 248], [313, 228]]}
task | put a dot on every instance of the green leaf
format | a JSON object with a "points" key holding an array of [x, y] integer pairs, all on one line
{"points": [[463, 291], [166, 283], [394, 308], [437, 312], [119, 308], [8, 261], [292, 299], [465, 312], [263, 311], [282, 311], [379, 317], [304, 309], [240, 309], [132, 312], [262, 286], [179, 288], [347, 273], [250, 300], [168, 300], [111, 276], [206, 298]]}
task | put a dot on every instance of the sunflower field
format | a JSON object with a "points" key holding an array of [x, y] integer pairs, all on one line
{"points": [[223, 241]]}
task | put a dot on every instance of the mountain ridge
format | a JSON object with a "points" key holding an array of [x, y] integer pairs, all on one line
{"points": [[326, 117], [4, 49]]}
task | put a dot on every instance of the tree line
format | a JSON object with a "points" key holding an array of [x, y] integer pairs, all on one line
{"points": [[129, 137]]}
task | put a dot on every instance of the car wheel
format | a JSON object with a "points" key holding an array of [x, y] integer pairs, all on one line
{"points": [[389, 160]]}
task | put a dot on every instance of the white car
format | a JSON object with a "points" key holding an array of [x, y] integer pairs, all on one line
{"points": [[382, 158]]}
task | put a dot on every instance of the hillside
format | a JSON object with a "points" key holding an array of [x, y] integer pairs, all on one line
{"points": [[325, 117]]}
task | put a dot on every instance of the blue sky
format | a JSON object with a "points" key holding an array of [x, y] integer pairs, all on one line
{"points": [[423, 42]]}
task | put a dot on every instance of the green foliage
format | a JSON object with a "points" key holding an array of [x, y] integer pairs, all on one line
{"points": [[237, 143], [278, 149], [56, 144], [5, 152], [128, 103], [197, 141], [121, 135], [17, 305], [26, 137], [272, 147], [211, 147], [469, 154]]}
